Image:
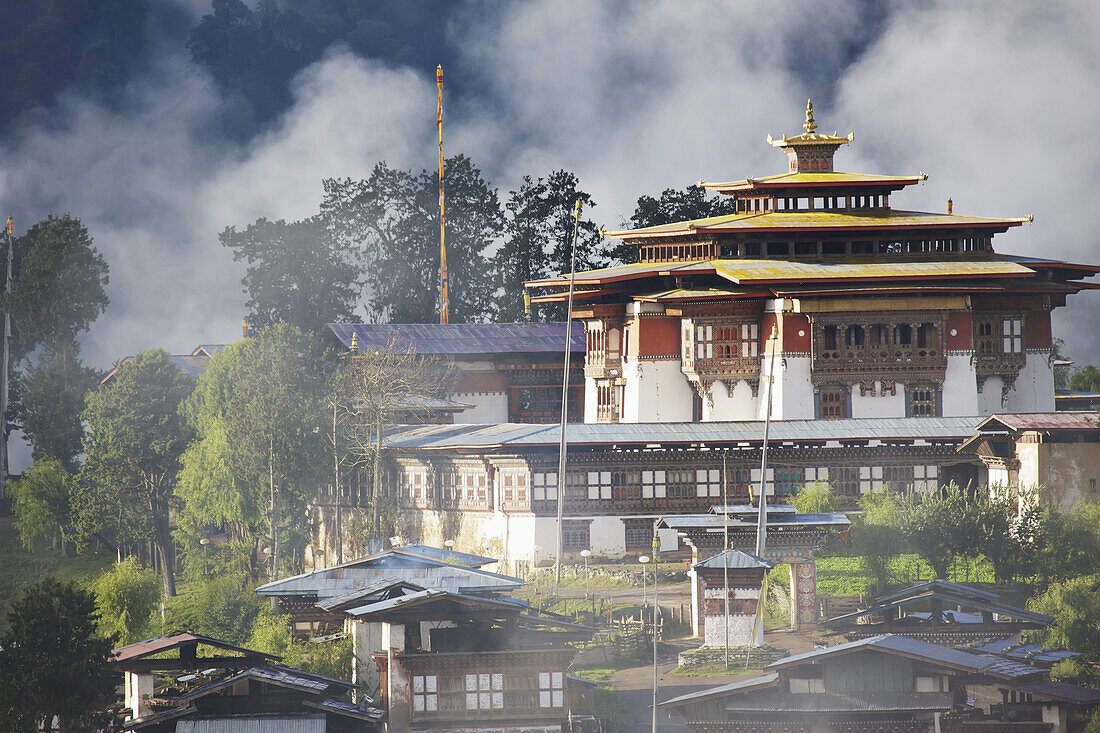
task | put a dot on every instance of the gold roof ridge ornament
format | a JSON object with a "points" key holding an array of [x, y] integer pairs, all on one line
{"points": [[809, 125], [812, 151]]}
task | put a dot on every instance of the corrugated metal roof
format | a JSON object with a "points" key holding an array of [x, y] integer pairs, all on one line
{"points": [[452, 557], [443, 437], [715, 522], [783, 271], [1024, 652], [1061, 691], [1043, 421], [734, 560], [839, 702], [461, 338], [391, 565], [264, 724], [943, 585], [365, 593], [934, 653], [755, 683], [174, 641], [817, 179]]}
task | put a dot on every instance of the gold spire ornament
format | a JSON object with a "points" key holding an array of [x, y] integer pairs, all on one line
{"points": [[354, 341], [809, 125]]}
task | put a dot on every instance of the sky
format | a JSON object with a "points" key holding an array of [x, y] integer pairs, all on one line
{"points": [[994, 100]]}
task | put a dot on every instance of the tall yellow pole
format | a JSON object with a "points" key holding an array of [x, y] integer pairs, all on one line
{"points": [[444, 284]]}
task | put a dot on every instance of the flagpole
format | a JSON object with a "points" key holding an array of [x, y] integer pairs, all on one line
{"points": [[5, 371], [562, 446], [762, 516], [444, 284]]}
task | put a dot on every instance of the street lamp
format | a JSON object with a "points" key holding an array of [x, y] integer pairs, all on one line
{"points": [[586, 554], [643, 560]]}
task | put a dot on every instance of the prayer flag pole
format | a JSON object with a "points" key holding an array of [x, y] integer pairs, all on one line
{"points": [[444, 283]]}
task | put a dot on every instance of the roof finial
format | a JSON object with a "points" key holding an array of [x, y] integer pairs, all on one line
{"points": [[354, 341], [809, 125]]}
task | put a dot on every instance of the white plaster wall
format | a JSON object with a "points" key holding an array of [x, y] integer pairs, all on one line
{"points": [[960, 386], [487, 407], [693, 578], [989, 399], [366, 639], [607, 537], [589, 400], [997, 476], [793, 392], [724, 404], [740, 631], [1034, 388], [878, 405], [655, 391]]}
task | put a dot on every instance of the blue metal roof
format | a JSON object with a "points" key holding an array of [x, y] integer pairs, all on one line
{"points": [[449, 437], [447, 555], [456, 339], [734, 560]]}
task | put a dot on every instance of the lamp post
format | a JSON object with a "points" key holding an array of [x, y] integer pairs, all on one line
{"points": [[643, 560], [586, 554], [656, 615]]}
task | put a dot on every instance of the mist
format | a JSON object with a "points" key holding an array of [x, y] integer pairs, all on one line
{"points": [[995, 100]]}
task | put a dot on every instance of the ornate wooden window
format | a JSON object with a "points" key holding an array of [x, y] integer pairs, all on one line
{"points": [[680, 484], [898, 478], [845, 480], [551, 690], [576, 486], [833, 402], [473, 486], [575, 534], [923, 401], [485, 691], [638, 533], [653, 485], [626, 485], [607, 400], [513, 485], [788, 481], [425, 695]]}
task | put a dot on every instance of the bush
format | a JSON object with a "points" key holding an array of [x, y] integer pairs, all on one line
{"points": [[224, 608], [815, 498]]}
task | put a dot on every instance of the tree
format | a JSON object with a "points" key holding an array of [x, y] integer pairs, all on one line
{"points": [[126, 597], [378, 385], [392, 219], [225, 608], [260, 455], [1085, 380], [51, 400], [875, 535], [296, 273], [1075, 606], [693, 202], [939, 525], [1070, 543], [134, 441], [815, 498], [58, 285], [1010, 529], [52, 661], [42, 500], [539, 239]]}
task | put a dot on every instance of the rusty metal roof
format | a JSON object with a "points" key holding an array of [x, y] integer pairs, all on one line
{"points": [[174, 641], [456, 339], [1042, 421]]}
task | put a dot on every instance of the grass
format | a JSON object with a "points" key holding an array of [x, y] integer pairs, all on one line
{"points": [[597, 674], [20, 568], [718, 669]]}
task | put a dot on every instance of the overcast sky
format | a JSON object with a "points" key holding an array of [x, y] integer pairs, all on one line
{"points": [[995, 100]]}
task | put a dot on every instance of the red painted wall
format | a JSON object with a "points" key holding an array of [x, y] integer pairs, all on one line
{"points": [[963, 326]]}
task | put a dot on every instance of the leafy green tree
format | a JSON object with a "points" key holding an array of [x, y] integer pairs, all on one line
{"points": [[52, 660], [133, 445], [392, 219], [875, 535], [1085, 380], [673, 205], [51, 399], [260, 454], [1075, 606], [271, 634], [224, 607], [1010, 532], [42, 501], [126, 597], [815, 498], [58, 286], [538, 241], [1070, 543], [296, 273], [939, 525]]}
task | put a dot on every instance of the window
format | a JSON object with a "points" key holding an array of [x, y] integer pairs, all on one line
{"points": [[575, 535], [653, 484], [1012, 333], [833, 403], [473, 486], [485, 691], [551, 690], [925, 478], [788, 481], [853, 337], [425, 698], [870, 479], [829, 341], [599, 484], [724, 340], [817, 474], [513, 486], [923, 402], [625, 485], [708, 482], [769, 485], [807, 685], [933, 683], [544, 486], [680, 484], [639, 533]]}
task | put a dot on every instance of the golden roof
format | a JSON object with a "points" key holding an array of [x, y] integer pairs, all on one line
{"points": [[809, 137], [784, 180], [815, 221]]}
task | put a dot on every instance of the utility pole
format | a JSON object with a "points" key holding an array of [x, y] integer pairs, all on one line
{"points": [[4, 379], [339, 497], [562, 447], [656, 616], [726, 559]]}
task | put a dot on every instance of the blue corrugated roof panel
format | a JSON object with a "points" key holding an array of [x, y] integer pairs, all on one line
{"points": [[734, 560], [456, 339]]}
